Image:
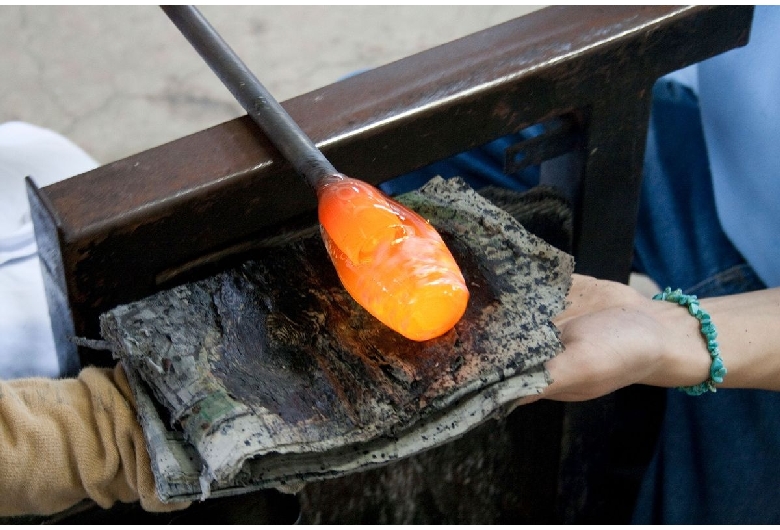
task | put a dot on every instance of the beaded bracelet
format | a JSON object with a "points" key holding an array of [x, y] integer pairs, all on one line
{"points": [[717, 368]]}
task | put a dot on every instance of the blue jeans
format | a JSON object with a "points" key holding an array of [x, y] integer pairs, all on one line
{"points": [[481, 166], [717, 460], [718, 456]]}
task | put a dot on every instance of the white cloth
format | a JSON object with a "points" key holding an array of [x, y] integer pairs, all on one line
{"points": [[26, 343]]}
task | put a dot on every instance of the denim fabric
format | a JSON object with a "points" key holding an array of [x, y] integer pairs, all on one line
{"points": [[718, 455], [717, 461], [679, 241], [479, 167]]}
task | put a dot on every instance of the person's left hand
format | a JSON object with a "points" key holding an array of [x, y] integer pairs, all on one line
{"points": [[614, 337]]}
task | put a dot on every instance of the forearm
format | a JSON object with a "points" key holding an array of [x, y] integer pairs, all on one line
{"points": [[749, 337], [615, 337], [66, 440]]}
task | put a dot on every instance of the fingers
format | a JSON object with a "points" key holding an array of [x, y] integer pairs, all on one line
{"points": [[609, 337]]}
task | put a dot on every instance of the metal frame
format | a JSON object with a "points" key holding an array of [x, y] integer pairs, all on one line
{"points": [[124, 230], [105, 235]]}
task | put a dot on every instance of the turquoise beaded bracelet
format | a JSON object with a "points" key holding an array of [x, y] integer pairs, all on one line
{"points": [[717, 368]]}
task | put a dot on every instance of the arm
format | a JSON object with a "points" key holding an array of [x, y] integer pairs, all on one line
{"points": [[62, 441], [614, 337]]}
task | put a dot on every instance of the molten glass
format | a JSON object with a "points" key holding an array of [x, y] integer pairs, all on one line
{"points": [[391, 260]]}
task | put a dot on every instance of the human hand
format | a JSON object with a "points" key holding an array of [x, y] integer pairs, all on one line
{"points": [[614, 337]]}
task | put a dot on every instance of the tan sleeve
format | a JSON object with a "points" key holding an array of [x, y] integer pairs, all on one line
{"points": [[62, 441]]}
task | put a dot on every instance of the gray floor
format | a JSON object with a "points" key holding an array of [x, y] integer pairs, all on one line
{"points": [[118, 80]]}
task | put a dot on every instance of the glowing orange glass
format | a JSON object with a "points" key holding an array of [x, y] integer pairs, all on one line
{"points": [[391, 260]]}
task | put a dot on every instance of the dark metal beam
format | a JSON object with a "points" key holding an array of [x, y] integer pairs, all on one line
{"points": [[107, 235]]}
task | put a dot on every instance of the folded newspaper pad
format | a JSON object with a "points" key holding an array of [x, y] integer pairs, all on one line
{"points": [[269, 375]]}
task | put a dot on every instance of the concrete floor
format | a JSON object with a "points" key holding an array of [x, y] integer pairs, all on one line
{"points": [[118, 80]]}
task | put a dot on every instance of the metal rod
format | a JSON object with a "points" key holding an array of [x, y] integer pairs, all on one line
{"points": [[280, 128]]}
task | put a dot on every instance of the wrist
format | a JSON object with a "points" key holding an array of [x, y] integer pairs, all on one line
{"points": [[685, 360], [717, 370]]}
